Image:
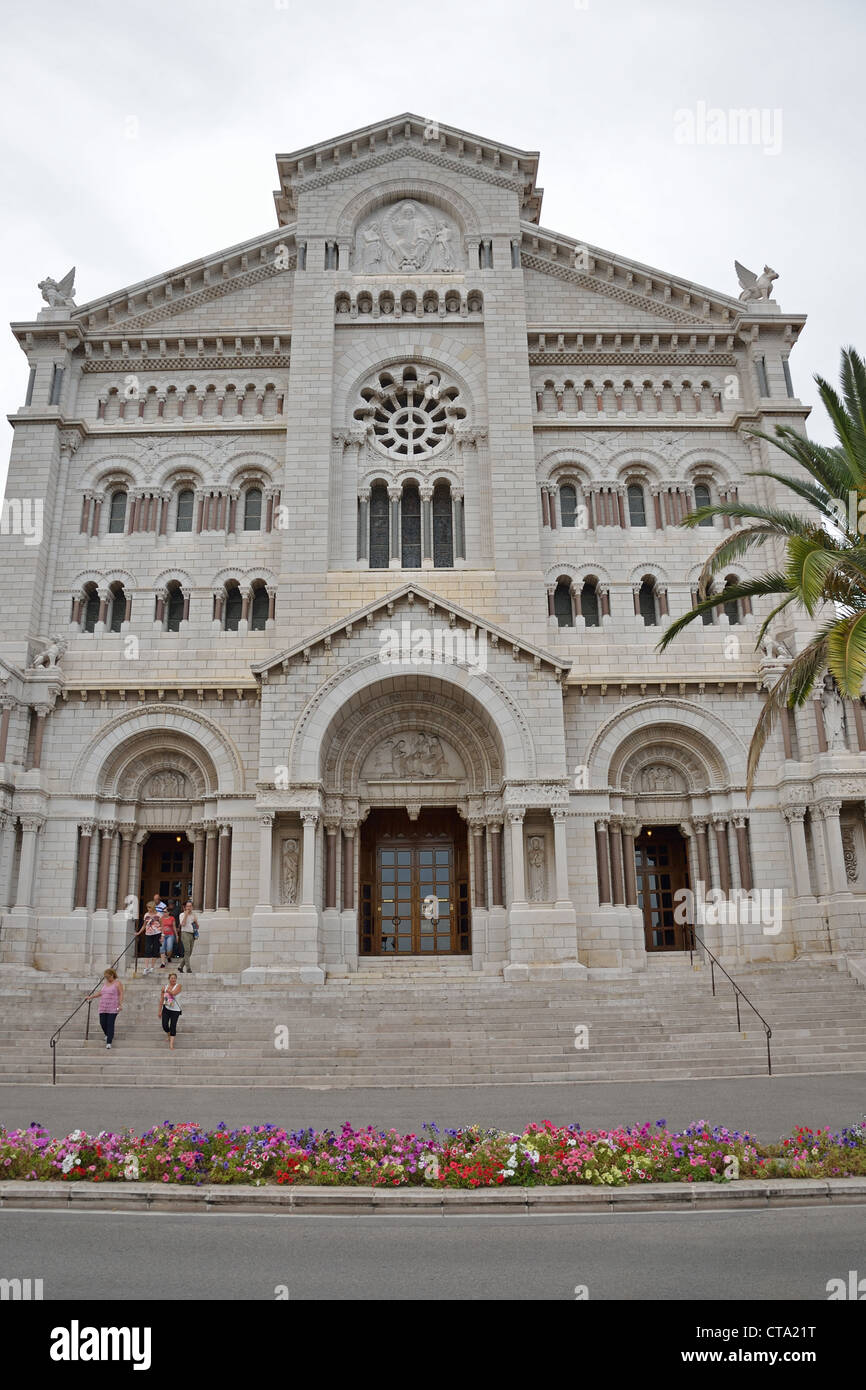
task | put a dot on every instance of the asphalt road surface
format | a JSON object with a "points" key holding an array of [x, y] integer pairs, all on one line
{"points": [[766, 1106], [754, 1255]]}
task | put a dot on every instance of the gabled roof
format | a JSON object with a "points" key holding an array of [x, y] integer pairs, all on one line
{"points": [[373, 145], [343, 627]]}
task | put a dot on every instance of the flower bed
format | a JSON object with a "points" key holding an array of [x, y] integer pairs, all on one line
{"points": [[542, 1155]]}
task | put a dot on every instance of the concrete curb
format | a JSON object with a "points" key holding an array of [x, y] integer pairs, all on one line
{"points": [[419, 1201]]}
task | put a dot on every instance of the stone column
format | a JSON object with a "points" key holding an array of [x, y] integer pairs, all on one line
{"points": [[30, 827], [210, 873], [396, 560], [6, 703], [349, 832], [703, 849], [331, 828], [106, 836], [363, 523], [225, 867], [602, 856], [835, 852], [198, 858], [795, 816], [518, 869], [85, 833], [41, 712], [266, 845], [629, 831], [308, 882], [741, 826], [560, 852], [720, 825], [615, 839], [497, 896], [427, 523], [459, 526], [479, 851], [127, 833]]}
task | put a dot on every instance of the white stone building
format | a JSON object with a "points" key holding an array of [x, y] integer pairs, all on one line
{"points": [[358, 540]]}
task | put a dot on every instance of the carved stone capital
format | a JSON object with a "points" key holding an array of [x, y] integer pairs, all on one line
{"points": [[792, 813]]}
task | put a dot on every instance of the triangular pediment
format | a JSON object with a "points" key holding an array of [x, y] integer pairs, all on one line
{"points": [[418, 601], [445, 147]]}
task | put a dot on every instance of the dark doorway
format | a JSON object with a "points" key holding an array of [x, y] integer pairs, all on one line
{"points": [[166, 873], [414, 884], [661, 869]]}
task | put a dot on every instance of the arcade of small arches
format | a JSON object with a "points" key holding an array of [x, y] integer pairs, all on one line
{"points": [[238, 604], [123, 511], [570, 501]]}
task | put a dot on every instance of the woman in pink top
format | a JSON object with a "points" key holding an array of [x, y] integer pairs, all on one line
{"points": [[110, 999]]}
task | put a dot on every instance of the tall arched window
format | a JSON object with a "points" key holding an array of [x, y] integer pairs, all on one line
{"points": [[732, 607], [589, 603], [233, 606], [443, 529], [117, 611], [379, 520], [647, 603], [703, 499], [410, 527], [708, 617], [90, 615], [253, 509], [259, 609], [183, 517], [174, 607], [568, 504], [636, 505], [117, 513], [563, 607]]}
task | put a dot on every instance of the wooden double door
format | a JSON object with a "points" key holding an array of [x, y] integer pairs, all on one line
{"points": [[414, 885], [166, 870], [661, 869]]}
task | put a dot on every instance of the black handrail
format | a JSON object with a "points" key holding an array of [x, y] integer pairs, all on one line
{"points": [[738, 991], [88, 1001]]}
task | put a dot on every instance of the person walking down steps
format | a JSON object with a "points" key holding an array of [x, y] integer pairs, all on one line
{"points": [[189, 935], [169, 1009], [110, 998]]}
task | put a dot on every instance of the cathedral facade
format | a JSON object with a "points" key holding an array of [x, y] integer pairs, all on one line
{"points": [[336, 564]]}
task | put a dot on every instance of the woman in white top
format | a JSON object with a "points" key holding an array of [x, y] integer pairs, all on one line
{"points": [[189, 934], [169, 1008]]}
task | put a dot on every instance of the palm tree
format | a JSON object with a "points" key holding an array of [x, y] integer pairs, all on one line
{"points": [[825, 553]]}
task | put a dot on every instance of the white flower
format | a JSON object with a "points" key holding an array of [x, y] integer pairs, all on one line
{"points": [[79, 1134], [532, 1155], [506, 1173], [69, 1163]]}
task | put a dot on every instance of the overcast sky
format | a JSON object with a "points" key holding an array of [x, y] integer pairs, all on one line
{"points": [[137, 137]]}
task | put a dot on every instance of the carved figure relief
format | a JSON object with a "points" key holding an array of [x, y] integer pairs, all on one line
{"points": [[289, 872], [167, 785], [408, 756], [537, 878], [849, 851], [834, 717], [659, 778], [408, 236]]}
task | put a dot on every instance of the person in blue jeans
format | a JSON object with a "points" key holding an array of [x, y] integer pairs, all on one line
{"points": [[110, 999]]}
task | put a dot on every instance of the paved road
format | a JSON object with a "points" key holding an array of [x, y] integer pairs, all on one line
{"points": [[766, 1106], [784, 1254]]}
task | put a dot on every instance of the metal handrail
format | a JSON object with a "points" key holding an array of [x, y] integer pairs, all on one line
{"points": [[88, 1001], [738, 991]]}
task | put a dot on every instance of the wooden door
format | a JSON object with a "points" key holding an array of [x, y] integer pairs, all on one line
{"points": [[661, 869]]}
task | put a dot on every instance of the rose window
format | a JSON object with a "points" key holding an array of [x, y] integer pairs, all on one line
{"points": [[411, 413]]}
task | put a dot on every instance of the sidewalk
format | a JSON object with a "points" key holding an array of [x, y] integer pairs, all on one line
{"points": [[768, 1107]]}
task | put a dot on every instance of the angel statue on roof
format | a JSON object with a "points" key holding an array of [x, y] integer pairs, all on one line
{"points": [[59, 294]]}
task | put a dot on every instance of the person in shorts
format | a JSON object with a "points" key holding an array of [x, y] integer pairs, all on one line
{"points": [[152, 930]]}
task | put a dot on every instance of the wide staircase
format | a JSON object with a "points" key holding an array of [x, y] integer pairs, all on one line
{"points": [[416, 1023]]}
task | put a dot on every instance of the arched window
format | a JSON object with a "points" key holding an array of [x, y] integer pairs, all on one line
{"points": [[703, 499], [563, 607], [253, 509], [636, 506], [259, 609], [174, 607], [233, 607], [90, 616], [647, 603], [568, 504], [732, 607], [183, 518], [118, 608], [410, 527], [443, 531], [708, 617], [379, 524], [589, 604], [117, 513]]}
